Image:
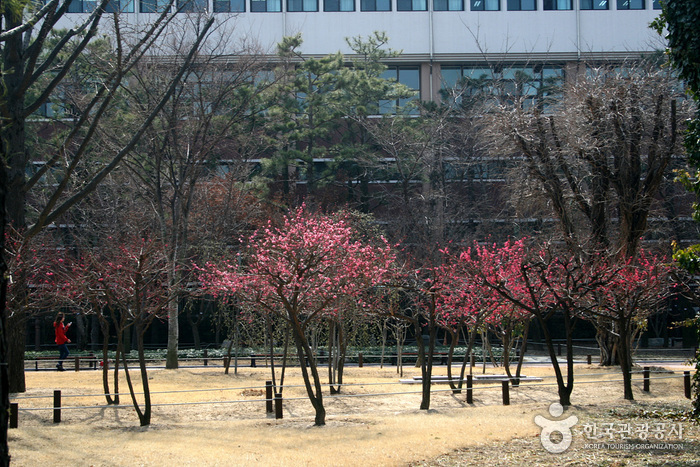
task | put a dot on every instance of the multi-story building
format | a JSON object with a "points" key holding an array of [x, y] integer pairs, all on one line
{"points": [[439, 39]]}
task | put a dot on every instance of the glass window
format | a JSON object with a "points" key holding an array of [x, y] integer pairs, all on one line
{"points": [[192, 6], [448, 5], [486, 5], [630, 5], [594, 4], [556, 5], [82, 6], [153, 6], [229, 6], [656, 5], [528, 86], [120, 6], [522, 5], [411, 5], [338, 5], [302, 5], [265, 5], [375, 5], [408, 76]]}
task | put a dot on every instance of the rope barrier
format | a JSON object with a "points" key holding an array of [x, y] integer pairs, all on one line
{"points": [[486, 386]]}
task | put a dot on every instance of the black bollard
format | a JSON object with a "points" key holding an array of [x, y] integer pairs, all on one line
{"points": [[57, 406]]}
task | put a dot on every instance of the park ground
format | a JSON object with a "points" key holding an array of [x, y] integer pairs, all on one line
{"points": [[370, 423]]}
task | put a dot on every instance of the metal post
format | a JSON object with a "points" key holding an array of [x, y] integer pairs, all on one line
{"points": [[57, 406], [14, 409], [470, 395], [588, 359], [506, 392], [645, 372], [206, 361], [252, 361], [268, 396], [686, 383], [77, 363], [359, 360], [278, 406]]}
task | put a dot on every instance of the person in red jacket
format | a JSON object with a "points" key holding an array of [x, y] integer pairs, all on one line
{"points": [[61, 340]]}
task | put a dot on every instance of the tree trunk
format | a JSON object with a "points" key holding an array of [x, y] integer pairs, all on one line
{"points": [[104, 324], [625, 357], [564, 389], [427, 363], [4, 375], [454, 338], [171, 361], [16, 336], [313, 388]]}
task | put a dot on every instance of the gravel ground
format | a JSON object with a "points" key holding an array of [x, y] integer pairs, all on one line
{"points": [[674, 450]]}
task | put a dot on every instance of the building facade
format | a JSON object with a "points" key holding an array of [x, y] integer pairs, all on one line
{"points": [[438, 39]]}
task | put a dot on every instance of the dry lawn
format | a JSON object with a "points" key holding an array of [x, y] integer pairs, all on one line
{"points": [[229, 426]]}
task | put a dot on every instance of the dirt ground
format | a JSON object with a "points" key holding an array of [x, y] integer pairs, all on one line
{"points": [[225, 422]]}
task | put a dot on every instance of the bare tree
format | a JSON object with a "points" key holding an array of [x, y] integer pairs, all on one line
{"points": [[28, 57], [194, 132]]}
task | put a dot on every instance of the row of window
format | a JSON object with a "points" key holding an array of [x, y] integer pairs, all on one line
{"points": [[239, 6]]}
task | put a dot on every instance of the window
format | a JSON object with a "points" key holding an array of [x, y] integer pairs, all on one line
{"points": [[338, 5], [411, 5], [556, 5], [594, 4], [302, 5], [527, 86], [408, 76], [656, 5], [120, 6], [265, 5], [522, 5], [154, 6], [448, 5], [486, 5], [229, 6], [630, 5], [375, 5], [191, 6], [82, 6]]}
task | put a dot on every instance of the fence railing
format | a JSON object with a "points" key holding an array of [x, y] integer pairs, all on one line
{"points": [[274, 402]]}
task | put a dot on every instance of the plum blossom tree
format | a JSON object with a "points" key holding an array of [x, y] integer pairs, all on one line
{"points": [[538, 282], [124, 277], [297, 272], [637, 288]]}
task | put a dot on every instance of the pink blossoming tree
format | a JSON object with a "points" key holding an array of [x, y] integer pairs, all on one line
{"points": [[299, 271]]}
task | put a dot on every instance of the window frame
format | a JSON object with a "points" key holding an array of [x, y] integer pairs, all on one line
{"points": [[363, 4], [229, 10], [401, 5], [554, 5], [621, 7], [302, 7], [191, 6], [511, 5], [267, 4], [339, 2], [474, 7], [158, 6], [447, 5], [593, 5]]}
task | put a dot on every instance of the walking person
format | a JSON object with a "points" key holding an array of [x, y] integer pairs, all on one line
{"points": [[61, 340]]}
